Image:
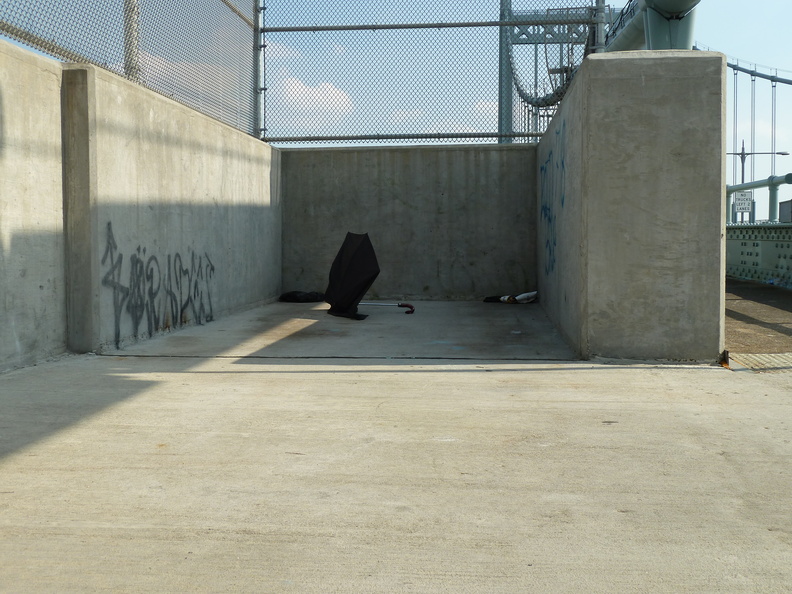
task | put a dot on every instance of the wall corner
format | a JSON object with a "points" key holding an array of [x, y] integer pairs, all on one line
{"points": [[78, 130]]}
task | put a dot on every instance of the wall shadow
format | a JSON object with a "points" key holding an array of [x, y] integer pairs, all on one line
{"points": [[32, 307], [438, 330], [37, 402], [2, 126], [152, 278], [757, 292]]}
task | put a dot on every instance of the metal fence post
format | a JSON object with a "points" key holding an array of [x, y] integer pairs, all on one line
{"points": [[131, 40], [599, 40], [505, 82], [259, 66]]}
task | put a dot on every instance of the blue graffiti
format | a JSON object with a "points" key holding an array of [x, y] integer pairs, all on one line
{"points": [[553, 194]]}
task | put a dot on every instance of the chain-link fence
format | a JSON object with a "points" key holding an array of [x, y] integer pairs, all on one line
{"points": [[332, 70], [482, 70], [201, 53]]}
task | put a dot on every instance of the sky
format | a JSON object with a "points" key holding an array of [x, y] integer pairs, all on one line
{"points": [[757, 34], [753, 37], [334, 74]]}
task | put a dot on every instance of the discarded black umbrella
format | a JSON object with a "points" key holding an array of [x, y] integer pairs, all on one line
{"points": [[353, 271]]}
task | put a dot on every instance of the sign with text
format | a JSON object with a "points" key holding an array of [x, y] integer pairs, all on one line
{"points": [[743, 201]]}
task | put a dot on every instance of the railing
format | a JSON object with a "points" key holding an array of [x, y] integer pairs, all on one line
{"points": [[761, 253], [625, 16]]}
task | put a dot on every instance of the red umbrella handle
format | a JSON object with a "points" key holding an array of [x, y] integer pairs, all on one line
{"points": [[410, 309]]}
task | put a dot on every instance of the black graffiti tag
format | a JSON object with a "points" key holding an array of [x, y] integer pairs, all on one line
{"points": [[177, 295]]}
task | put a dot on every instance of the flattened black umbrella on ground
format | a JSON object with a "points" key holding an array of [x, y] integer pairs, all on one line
{"points": [[353, 271]]}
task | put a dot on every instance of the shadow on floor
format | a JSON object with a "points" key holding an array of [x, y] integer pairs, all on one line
{"points": [[758, 317]]}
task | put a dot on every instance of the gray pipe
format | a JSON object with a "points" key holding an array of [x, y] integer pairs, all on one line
{"points": [[672, 9], [653, 25], [599, 38], [771, 182]]}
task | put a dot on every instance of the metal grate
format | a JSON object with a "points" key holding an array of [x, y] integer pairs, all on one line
{"points": [[399, 71], [201, 53]]}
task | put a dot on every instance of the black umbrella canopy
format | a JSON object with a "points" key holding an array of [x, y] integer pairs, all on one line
{"points": [[353, 271]]}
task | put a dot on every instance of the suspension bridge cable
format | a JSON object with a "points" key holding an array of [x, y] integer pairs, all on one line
{"points": [[753, 125], [773, 132], [734, 130]]}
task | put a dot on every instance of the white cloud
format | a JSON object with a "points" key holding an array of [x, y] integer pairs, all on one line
{"points": [[403, 116], [312, 108], [449, 127], [486, 108], [276, 51]]}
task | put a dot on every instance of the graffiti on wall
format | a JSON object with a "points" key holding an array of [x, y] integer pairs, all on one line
{"points": [[552, 191], [156, 296]]}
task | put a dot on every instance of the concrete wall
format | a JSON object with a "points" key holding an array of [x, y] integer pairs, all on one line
{"points": [[172, 217], [561, 215], [32, 293], [451, 222], [631, 216], [122, 212]]}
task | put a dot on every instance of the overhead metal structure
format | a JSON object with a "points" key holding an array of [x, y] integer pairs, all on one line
{"points": [[577, 32], [771, 182], [653, 25], [569, 32]]}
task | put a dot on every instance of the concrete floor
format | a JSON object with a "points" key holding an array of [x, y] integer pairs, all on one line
{"points": [[758, 326], [284, 450], [758, 317], [437, 330]]}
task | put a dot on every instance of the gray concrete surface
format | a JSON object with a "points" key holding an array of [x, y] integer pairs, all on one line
{"points": [[631, 214], [172, 217], [193, 463], [122, 211], [32, 278], [167, 217], [437, 330], [447, 222]]}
